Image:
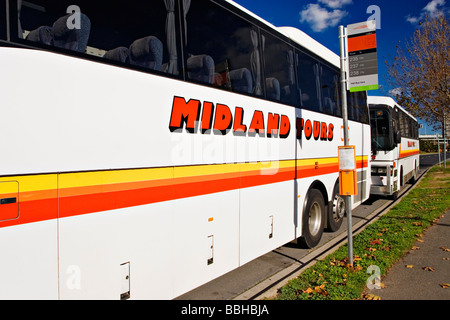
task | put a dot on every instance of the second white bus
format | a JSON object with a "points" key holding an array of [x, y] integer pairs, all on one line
{"points": [[395, 146]]}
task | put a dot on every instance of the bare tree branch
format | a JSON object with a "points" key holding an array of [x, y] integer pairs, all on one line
{"points": [[421, 71]]}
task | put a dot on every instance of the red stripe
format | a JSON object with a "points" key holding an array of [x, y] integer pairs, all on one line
{"points": [[406, 154], [34, 211], [79, 201], [97, 202]]}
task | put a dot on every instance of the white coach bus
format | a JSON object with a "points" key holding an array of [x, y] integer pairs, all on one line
{"points": [[395, 146], [152, 146]]}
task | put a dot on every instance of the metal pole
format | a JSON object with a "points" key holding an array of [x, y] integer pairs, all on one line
{"points": [[348, 199], [445, 141], [439, 148]]}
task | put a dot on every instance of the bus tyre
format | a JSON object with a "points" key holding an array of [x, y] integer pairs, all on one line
{"points": [[313, 220], [336, 211]]}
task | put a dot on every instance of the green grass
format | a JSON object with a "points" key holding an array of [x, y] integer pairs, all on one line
{"points": [[382, 244]]}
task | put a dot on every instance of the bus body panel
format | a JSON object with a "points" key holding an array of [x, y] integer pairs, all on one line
{"points": [[29, 268], [130, 183]]}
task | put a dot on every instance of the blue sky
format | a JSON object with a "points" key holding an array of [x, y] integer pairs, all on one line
{"points": [[320, 19]]}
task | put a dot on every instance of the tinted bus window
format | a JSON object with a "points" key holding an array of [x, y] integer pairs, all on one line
{"points": [[330, 91], [363, 110], [139, 34], [308, 72], [404, 124], [3, 20], [351, 107], [279, 70], [222, 50]]}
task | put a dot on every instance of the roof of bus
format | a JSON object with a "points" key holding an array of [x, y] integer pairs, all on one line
{"points": [[297, 36], [387, 101]]}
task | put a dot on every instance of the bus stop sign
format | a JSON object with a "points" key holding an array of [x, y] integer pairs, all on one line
{"points": [[362, 56]]}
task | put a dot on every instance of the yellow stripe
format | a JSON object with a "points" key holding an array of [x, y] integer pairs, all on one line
{"points": [[203, 170], [312, 162], [87, 179], [34, 183]]}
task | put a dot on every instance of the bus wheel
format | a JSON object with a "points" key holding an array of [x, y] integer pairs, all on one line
{"points": [[336, 211], [313, 220]]}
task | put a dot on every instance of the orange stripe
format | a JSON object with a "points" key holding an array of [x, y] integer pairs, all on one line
{"points": [[405, 154], [45, 205]]}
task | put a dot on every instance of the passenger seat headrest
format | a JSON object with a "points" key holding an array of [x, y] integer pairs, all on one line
{"points": [[43, 34], [72, 39], [147, 52]]}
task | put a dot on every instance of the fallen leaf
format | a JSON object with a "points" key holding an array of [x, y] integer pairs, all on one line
{"points": [[445, 259], [445, 249], [409, 266], [371, 297], [321, 287], [445, 285], [356, 268], [309, 290], [420, 240], [376, 241], [429, 269], [415, 248]]}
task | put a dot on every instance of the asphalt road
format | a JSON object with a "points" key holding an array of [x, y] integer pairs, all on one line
{"points": [[236, 283]]}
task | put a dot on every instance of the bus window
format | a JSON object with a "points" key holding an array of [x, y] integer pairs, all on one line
{"points": [[381, 130], [222, 50], [309, 82], [404, 125], [362, 109], [279, 70], [2, 21], [352, 106], [138, 34], [330, 91]]}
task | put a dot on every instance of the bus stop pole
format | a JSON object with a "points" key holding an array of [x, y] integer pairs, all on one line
{"points": [[348, 199], [445, 140], [439, 149]]}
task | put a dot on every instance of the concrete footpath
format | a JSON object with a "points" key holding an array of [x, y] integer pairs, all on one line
{"points": [[424, 273]]}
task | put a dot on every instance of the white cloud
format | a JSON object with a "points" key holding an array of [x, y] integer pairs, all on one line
{"points": [[335, 4], [321, 18], [395, 92], [412, 19], [434, 8]]}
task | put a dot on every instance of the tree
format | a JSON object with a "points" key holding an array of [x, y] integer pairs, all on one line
{"points": [[421, 75]]}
